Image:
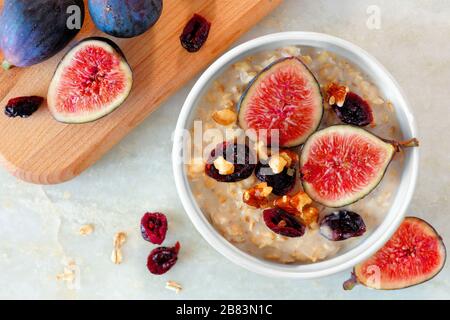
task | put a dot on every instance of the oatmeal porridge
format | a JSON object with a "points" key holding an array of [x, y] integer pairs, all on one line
{"points": [[246, 207]]}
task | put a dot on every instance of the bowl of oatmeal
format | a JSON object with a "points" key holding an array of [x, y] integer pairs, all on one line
{"points": [[267, 223]]}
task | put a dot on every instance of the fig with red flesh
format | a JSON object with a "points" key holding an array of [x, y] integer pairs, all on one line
{"points": [[415, 254], [342, 164], [284, 97], [91, 81]]}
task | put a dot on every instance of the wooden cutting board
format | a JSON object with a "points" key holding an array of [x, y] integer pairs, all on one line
{"points": [[41, 150]]}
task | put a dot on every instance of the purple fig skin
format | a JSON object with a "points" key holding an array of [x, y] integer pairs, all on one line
{"points": [[34, 31], [125, 19]]}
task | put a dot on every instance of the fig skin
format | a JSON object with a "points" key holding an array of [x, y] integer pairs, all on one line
{"points": [[125, 19], [397, 145], [116, 48], [261, 74], [34, 31], [355, 280]]}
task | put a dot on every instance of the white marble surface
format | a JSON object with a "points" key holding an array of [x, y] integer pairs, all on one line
{"points": [[38, 224]]}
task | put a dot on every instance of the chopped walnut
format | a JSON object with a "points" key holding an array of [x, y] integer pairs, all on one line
{"points": [[291, 157], [299, 205], [300, 200], [309, 215], [85, 230], [225, 117], [224, 167], [277, 163], [258, 195], [172, 285], [284, 203], [119, 240], [336, 94]]}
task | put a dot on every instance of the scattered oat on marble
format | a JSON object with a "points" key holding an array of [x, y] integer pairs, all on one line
{"points": [[119, 240], [172, 285], [86, 229]]}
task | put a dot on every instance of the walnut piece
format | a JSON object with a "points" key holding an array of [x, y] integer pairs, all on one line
{"points": [[310, 215], [336, 94], [299, 205], [290, 156], [258, 195], [277, 163], [225, 168], [225, 117]]}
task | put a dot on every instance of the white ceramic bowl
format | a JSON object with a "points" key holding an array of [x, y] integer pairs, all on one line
{"points": [[391, 90]]}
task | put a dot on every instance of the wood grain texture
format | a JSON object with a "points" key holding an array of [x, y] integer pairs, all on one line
{"points": [[41, 150]]}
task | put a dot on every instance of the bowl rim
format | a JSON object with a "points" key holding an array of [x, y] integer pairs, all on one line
{"points": [[338, 263]]}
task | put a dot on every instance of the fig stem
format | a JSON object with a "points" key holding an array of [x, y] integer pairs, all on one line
{"points": [[6, 65], [399, 145], [350, 283]]}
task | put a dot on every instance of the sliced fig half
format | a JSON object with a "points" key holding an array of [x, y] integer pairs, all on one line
{"points": [[342, 164], [415, 254], [285, 97], [91, 81]]}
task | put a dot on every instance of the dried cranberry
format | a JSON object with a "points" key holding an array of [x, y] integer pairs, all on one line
{"points": [[162, 259], [237, 154], [195, 33], [283, 223], [355, 111], [154, 227], [23, 106], [342, 225], [282, 183]]}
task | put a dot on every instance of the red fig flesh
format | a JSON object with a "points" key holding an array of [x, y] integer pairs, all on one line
{"points": [[415, 254]]}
